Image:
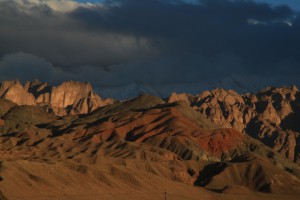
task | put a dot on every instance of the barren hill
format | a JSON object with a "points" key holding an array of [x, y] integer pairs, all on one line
{"points": [[61, 143]]}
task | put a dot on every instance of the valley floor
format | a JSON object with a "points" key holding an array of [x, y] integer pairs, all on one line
{"points": [[65, 181]]}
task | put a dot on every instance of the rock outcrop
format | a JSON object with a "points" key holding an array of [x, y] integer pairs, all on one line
{"points": [[70, 97], [15, 92], [272, 115]]}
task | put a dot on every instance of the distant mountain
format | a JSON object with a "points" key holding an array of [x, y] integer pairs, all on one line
{"points": [[240, 84], [127, 91]]}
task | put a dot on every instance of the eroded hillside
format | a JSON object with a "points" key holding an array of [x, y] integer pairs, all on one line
{"points": [[196, 145]]}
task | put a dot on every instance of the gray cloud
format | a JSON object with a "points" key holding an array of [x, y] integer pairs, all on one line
{"points": [[25, 67], [152, 42], [62, 40]]}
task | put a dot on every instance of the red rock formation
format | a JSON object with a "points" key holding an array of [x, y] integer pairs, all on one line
{"points": [[269, 116]]}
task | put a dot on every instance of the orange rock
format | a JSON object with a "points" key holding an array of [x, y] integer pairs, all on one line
{"points": [[70, 97]]}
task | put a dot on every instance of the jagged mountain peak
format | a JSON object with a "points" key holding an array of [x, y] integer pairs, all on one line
{"points": [[70, 97], [270, 115]]}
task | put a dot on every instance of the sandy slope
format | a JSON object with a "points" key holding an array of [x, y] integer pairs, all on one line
{"points": [[35, 180], [65, 181]]}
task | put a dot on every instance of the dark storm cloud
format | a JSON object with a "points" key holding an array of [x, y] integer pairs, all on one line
{"points": [[152, 41], [25, 67], [209, 39], [209, 28], [61, 40]]}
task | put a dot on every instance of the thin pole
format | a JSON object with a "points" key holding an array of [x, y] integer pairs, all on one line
{"points": [[165, 194]]}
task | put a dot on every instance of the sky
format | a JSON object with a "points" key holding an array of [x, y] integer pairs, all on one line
{"points": [[292, 3], [156, 46]]}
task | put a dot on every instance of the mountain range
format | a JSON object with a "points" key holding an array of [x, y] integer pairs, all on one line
{"points": [[240, 84], [67, 142]]}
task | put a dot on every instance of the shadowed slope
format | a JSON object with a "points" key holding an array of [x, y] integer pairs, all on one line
{"points": [[252, 172], [28, 114], [5, 106]]}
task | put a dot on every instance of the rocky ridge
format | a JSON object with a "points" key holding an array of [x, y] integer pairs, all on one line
{"points": [[272, 115], [70, 97]]}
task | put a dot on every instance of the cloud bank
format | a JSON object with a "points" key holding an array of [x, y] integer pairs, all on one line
{"points": [[157, 43]]}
